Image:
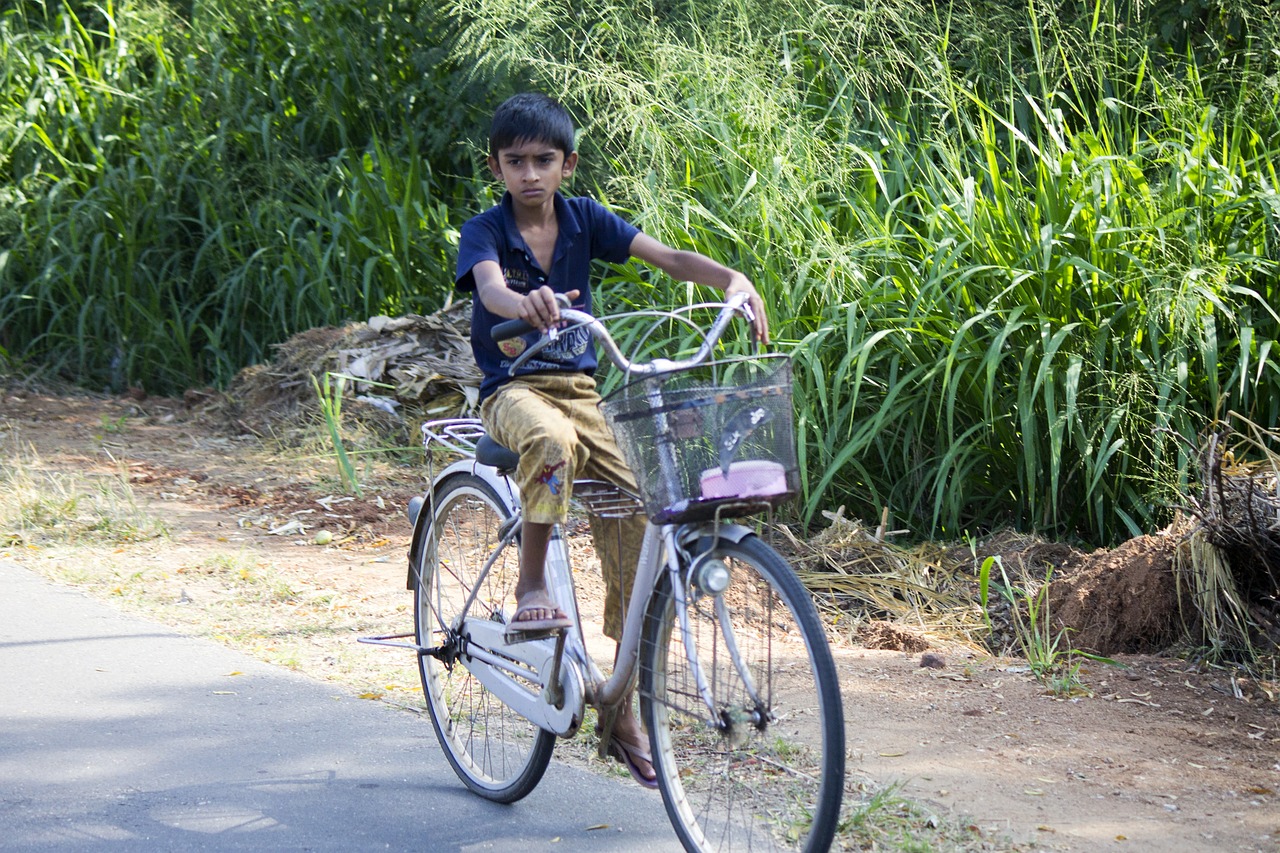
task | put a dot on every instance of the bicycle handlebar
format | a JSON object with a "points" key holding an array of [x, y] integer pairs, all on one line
{"points": [[574, 318], [510, 329]]}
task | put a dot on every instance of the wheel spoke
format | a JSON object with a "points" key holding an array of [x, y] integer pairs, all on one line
{"points": [[768, 773], [495, 752]]}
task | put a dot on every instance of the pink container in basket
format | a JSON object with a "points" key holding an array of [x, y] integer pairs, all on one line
{"points": [[755, 478]]}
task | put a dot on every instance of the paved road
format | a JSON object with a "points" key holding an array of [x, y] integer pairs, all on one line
{"points": [[119, 734]]}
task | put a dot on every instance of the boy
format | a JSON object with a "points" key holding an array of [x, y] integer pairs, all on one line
{"points": [[516, 257]]}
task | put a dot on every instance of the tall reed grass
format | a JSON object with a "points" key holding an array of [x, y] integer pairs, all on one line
{"points": [[1015, 288], [180, 195], [1022, 251]]}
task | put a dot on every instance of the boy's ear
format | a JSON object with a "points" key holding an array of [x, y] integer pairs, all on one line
{"points": [[495, 167], [570, 163]]}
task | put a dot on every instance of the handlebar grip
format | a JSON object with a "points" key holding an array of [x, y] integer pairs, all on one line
{"points": [[510, 329]]}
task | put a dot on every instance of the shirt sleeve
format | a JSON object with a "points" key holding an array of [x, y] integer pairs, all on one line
{"points": [[477, 241], [611, 235]]}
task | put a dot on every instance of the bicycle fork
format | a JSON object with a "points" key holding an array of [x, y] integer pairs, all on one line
{"points": [[699, 575]]}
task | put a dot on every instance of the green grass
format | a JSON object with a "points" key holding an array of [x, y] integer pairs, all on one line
{"points": [[1022, 253], [885, 821], [39, 507], [329, 391], [1048, 652], [180, 195]]}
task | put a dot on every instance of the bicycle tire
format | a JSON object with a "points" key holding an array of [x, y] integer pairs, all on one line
{"points": [[757, 776], [496, 753]]}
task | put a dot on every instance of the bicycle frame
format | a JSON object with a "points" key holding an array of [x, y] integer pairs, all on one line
{"points": [[566, 674]]}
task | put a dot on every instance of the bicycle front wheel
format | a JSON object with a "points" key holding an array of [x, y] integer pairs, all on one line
{"points": [[497, 753], [743, 707]]}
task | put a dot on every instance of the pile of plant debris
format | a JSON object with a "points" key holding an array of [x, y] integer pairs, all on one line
{"points": [[1107, 602], [392, 373], [1228, 569], [1208, 583], [859, 572]]}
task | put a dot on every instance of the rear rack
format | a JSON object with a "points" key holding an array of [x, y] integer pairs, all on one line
{"points": [[606, 500], [457, 434]]}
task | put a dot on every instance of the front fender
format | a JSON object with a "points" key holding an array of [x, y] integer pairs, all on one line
{"points": [[701, 537], [502, 487]]}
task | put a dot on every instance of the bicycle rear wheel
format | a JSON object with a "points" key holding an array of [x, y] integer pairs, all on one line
{"points": [[763, 767], [497, 753]]}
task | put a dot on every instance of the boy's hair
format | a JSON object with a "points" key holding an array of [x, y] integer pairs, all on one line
{"points": [[531, 116]]}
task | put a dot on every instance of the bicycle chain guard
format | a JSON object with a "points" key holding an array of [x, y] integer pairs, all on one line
{"points": [[517, 674]]}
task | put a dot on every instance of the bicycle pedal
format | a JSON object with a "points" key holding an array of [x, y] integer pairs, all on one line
{"points": [[512, 635]]}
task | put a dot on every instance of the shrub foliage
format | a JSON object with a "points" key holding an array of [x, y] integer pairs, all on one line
{"points": [[1024, 252]]}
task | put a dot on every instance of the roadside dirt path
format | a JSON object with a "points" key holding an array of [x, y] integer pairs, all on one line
{"points": [[1162, 756]]}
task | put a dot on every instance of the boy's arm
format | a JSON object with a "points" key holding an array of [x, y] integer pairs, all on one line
{"points": [[538, 307], [692, 266]]}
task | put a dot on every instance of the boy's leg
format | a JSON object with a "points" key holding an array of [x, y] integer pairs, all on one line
{"points": [[617, 542], [533, 600], [533, 423], [560, 434]]}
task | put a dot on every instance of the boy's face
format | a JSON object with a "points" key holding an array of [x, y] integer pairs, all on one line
{"points": [[532, 171]]}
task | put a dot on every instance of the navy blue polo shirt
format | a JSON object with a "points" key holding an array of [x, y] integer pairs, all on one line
{"points": [[587, 232]]}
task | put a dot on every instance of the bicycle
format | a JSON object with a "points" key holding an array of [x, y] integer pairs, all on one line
{"points": [[737, 685]]}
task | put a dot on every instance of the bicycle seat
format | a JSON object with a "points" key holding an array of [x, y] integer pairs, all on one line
{"points": [[489, 452]]}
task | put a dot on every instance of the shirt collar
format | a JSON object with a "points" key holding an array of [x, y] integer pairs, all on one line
{"points": [[566, 219]]}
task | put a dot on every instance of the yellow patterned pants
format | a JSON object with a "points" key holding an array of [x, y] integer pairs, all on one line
{"points": [[554, 422]]}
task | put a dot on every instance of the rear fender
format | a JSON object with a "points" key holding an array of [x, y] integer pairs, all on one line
{"points": [[502, 486]]}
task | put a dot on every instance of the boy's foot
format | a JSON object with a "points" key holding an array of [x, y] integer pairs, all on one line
{"points": [[537, 612], [629, 745]]}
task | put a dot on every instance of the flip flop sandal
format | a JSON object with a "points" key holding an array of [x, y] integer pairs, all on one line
{"points": [[521, 628], [629, 756]]}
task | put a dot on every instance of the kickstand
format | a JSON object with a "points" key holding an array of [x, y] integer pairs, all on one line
{"points": [[605, 719], [554, 691]]}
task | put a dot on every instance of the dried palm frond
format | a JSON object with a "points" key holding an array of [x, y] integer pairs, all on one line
{"points": [[422, 357], [1206, 582], [1228, 566], [404, 369], [851, 570]]}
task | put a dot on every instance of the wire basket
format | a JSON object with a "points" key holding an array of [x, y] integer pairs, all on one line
{"points": [[714, 441]]}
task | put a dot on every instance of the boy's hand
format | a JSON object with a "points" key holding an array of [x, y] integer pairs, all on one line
{"points": [[739, 283], [540, 309]]}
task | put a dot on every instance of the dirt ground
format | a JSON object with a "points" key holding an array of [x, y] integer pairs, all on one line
{"points": [[1158, 754]]}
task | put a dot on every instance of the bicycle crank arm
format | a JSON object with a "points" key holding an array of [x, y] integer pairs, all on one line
{"points": [[518, 675]]}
